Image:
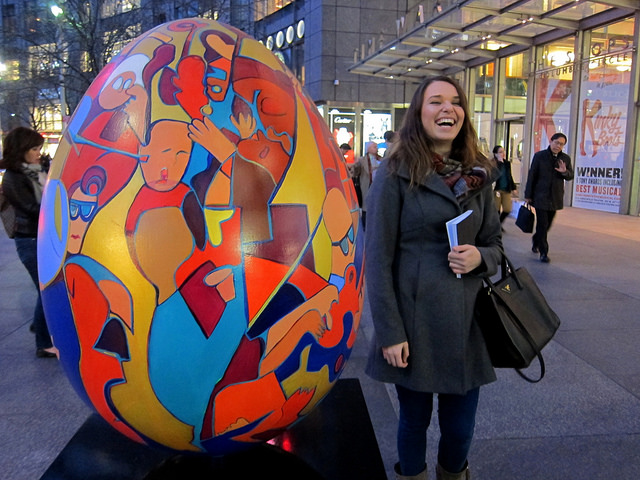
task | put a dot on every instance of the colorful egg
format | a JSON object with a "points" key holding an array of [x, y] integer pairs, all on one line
{"points": [[201, 258]]}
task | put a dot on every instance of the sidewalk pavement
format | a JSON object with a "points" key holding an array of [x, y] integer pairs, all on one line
{"points": [[582, 421]]}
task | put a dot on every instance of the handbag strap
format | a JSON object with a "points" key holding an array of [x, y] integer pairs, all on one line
{"points": [[506, 270], [542, 371], [509, 271]]}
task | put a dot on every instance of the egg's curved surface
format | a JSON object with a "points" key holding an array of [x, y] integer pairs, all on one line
{"points": [[201, 262]]}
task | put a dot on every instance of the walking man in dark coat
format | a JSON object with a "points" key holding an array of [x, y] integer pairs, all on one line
{"points": [[549, 170]]}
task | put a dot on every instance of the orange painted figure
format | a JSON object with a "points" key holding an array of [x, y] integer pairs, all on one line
{"points": [[202, 258]]}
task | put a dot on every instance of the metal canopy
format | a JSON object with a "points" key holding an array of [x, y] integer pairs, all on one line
{"points": [[475, 32]]}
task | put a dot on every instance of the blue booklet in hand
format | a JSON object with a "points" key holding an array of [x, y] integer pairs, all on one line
{"points": [[459, 231]]}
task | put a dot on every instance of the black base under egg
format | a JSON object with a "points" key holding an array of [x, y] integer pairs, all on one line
{"points": [[335, 441]]}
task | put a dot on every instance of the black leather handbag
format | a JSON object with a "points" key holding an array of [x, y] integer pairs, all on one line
{"points": [[526, 218], [515, 319]]}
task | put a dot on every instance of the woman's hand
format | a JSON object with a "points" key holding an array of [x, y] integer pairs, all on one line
{"points": [[397, 355], [464, 259]]}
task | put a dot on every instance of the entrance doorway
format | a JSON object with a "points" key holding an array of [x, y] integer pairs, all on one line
{"points": [[510, 135]]}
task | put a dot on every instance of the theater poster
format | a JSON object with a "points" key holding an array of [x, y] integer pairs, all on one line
{"points": [[552, 105], [602, 120]]}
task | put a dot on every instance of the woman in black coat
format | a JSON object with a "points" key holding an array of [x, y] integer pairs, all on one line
{"points": [[421, 291], [505, 186], [22, 186]]}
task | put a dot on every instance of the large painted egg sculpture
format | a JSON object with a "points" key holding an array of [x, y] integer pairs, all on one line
{"points": [[201, 262]]}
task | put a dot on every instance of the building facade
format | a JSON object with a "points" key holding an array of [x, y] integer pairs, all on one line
{"points": [[337, 33]]}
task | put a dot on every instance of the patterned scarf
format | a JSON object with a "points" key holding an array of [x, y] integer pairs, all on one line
{"points": [[37, 177], [458, 181]]}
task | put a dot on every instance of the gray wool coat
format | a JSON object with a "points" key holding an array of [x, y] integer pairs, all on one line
{"points": [[414, 295]]}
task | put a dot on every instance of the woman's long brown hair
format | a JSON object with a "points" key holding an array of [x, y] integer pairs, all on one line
{"points": [[17, 142], [416, 150]]}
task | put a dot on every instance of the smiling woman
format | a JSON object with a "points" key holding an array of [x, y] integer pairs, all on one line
{"points": [[422, 292], [442, 115], [438, 123]]}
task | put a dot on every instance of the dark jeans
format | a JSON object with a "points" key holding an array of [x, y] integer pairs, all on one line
{"points": [[356, 186], [456, 417], [544, 218], [27, 249]]}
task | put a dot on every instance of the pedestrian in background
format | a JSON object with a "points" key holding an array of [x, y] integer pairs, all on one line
{"points": [[364, 170], [505, 186], [371, 149], [390, 137], [22, 186], [427, 341], [550, 168], [347, 153], [349, 158]]}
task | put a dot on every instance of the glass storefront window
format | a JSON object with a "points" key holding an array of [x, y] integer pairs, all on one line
{"points": [[374, 124], [10, 70], [602, 117], [264, 8], [482, 107], [342, 123], [48, 119], [553, 84], [513, 109], [515, 100]]}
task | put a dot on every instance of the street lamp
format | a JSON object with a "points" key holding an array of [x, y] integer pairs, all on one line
{"points": [[3, 70], [56, 10], [57, 13]]}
